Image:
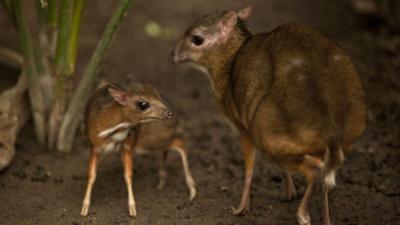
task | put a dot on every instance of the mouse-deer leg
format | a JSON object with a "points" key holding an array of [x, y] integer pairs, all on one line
{"points": [[162, 173], [310, 167], [325, 208], [290, 187], [248, 151], [94, 160], [178, 145], [127, 160]]}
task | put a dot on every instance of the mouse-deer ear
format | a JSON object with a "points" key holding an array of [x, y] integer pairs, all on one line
{"points": [[228, 22], [118, 94], [246, 12], [229, 19]]}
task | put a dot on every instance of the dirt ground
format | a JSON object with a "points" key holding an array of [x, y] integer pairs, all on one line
{"points": [[44, 187]]}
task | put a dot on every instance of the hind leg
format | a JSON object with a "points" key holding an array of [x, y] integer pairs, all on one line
{"points": [[303, 214], [333, 159], [291, 192], [310, 167], [325, 208], [249, 152], [162, 173], [178, 145]]}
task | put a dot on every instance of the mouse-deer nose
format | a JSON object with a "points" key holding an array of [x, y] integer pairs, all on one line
{"points": [[169, 114]]}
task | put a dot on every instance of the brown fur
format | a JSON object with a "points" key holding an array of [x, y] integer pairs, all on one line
{"points": [[162, 137], [158, 135], [109, 107], [104, 112], [294, 93]]}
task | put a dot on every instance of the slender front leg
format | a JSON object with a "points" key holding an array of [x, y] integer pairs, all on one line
{"points": [[326, 217], [179, 146], [93, 163], [290, 188], [162, 173], [127, 158], [248, 151]]}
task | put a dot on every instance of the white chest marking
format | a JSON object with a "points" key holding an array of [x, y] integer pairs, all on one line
{"points": [[109, 147], [120, 136], [107, 132]]}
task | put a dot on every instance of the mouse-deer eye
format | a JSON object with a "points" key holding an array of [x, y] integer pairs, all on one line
{"points": [[142, 106], [197, 40]]}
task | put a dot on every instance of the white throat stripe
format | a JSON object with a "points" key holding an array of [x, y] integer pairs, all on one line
{"points": [[111, 130]]}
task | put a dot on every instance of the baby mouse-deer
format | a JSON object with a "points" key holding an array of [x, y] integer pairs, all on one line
{"points": [[292, 93], [111, 116]]}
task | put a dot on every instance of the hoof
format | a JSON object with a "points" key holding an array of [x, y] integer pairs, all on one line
{"points": [[161, 184], [193, 193], [85, 209], [6, 156], [304, 220], [238, 211], [132, 210]]}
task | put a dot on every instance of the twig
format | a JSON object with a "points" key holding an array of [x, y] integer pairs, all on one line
{"points": [[11, 58]]}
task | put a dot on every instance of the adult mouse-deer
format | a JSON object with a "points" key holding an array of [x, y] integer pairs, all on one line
{"points": [[112, 114], [292, 93]]}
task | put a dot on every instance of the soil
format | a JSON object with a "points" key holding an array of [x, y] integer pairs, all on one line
{"points": [[45, 187]]}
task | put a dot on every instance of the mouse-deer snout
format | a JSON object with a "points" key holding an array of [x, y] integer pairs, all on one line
{"points": [[163, 112], [169, 115]]}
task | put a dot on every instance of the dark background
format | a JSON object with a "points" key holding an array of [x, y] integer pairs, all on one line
{"points": [[44, 187]]}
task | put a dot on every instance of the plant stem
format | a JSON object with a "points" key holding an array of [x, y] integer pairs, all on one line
{"points": [[42, 14], [70, 122], [65, 64], [11, 58], [61, 66], [52, 25], [52, 13], [35, 93], [74, 34]]}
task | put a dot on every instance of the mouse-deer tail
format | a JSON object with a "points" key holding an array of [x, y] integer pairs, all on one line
{"points": [[334, 157]]}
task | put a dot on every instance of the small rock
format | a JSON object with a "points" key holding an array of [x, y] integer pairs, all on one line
{"points": [[223, 188], [19, 174], [40, 175]]}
